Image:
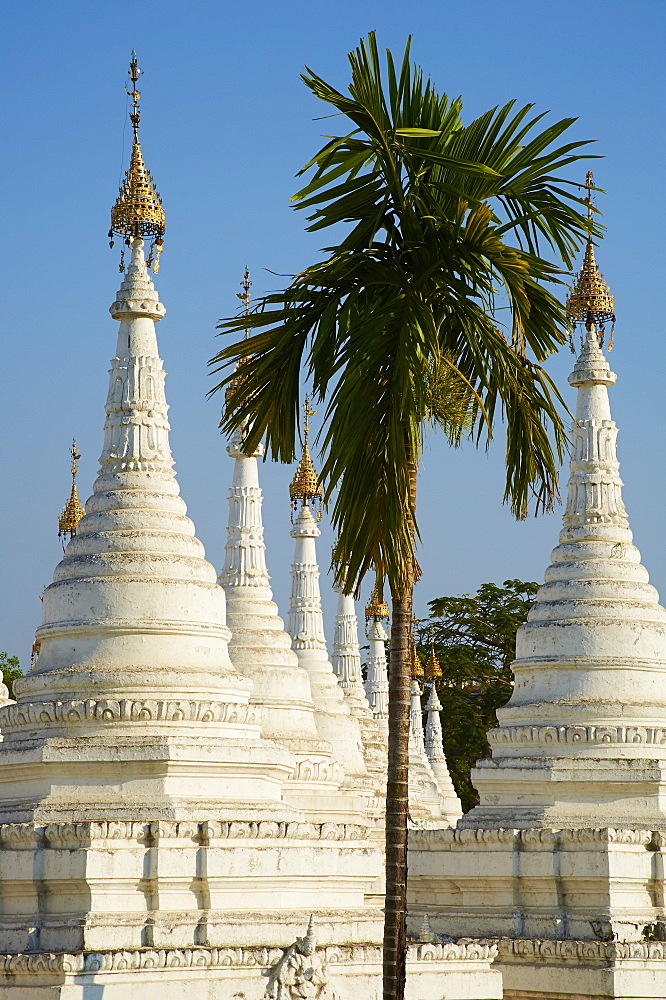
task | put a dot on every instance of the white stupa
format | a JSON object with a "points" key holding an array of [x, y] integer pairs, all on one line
{"points": [[346, 657], [376, 680], [589, 702], [260, 647], [335, 723], [429, 803], [434, 743], [144, 823], [346, 662], [563, 859]]}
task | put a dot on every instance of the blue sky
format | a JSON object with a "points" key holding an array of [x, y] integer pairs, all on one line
{"points": [[226, 124]]}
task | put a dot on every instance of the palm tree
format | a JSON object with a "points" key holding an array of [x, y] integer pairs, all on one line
{"points": [[444, 225]]}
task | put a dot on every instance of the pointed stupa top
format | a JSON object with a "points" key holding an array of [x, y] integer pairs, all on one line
{"points": [[432, 669], [590, 300], [138, 211], [244, 296], [417, 665], [72, 512], [305, 484]]}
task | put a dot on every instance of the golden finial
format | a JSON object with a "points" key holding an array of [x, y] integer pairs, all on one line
{"points": [[376, 609], [417, 666], [72, 512], [305, 484], [433, 669], [138, 211], [244, 296], [590, 300]]}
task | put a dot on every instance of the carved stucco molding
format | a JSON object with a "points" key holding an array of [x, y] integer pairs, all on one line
{"points": [[531, 950], [604, 735], [20, 716], [27, 836], [122, 960], [550, 839]]}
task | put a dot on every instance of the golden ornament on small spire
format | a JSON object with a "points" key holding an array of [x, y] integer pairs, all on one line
{"points": [[244, 296], [72, 512], [305, 487], [138, 212], [432, 670], [590, 301], [376, 609], [417, 665]]}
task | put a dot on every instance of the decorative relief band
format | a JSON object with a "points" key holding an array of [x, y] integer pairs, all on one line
{"points": [[575, 951], [18, 716], [578, 734], [448, 837], [213, 958], [26, 836]]}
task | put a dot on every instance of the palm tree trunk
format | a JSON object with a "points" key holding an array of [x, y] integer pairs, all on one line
{"points": [[397, 788]]}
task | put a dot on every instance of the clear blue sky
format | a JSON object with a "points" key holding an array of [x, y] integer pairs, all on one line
{"points": [[226, 124]]}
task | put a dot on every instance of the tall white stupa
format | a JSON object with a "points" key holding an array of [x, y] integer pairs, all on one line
{"points": [[563, 859], [155, 840], [260, 647], [148, 842]]}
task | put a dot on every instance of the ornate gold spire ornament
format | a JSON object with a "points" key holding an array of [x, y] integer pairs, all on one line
{"points": [[375, 609], [432, 670], [244, 296], [417, 666], [590, 301], [305, 487], [72, 512], [138, 212]]}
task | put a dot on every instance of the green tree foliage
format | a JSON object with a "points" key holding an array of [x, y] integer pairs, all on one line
{"points": [[11, 671], [475, 642]]}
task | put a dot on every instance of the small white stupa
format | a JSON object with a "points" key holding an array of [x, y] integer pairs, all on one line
{"points": [[428, 802], [335, 723], [563, 859], [434, 742], [376, 679], [346, 662], [346, 657]]}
